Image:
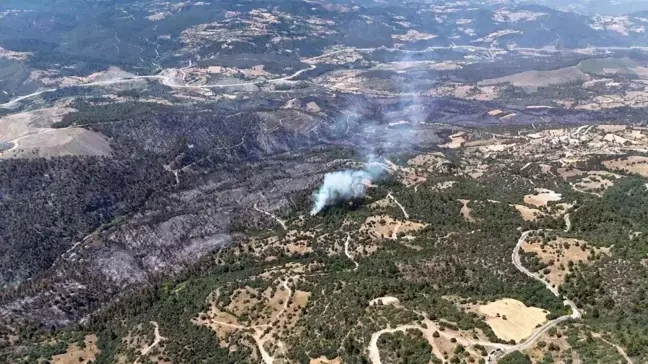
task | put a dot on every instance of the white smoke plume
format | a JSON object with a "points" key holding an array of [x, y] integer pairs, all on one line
{"points": [[343, 185]]}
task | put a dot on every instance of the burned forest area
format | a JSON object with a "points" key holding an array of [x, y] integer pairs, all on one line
{"points": [[323, 182]]}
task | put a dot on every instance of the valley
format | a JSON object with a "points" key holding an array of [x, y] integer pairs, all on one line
{"points": [[323, 182]]}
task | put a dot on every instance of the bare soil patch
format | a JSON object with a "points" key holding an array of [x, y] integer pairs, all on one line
{"points": [[32, 136], [456, 141], [324, 360], [76, 355], [384, 301], [466, 211], [542, 197]]}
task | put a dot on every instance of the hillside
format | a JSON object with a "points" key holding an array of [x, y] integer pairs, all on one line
{"points": [[322, 182]]}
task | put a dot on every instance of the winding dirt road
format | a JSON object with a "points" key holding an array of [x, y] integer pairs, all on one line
{"points": [[530, 341], [389, 195], [496, 350], [281, 222], [167, 80], [567, 223], [428, 330], [617, 347], [346, 252]]}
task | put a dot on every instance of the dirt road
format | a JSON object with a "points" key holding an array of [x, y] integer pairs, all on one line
{"points": [[515, 257], [165, 80], [617, 347], [389, 195], [155, 342], [428, 329], [346, 252], [259, 336], [281, 222], [497, 350], [529, 342], [567, 223]]}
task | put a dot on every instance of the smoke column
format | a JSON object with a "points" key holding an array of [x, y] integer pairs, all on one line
{"points": [[343, 185]]}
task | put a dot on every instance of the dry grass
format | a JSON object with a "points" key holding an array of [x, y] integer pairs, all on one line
{"points": [[511, 319], [313, 107], [419, 168], [324, 360], [527, 213], [293, 243], [431, 161], [262, 317], [542, 197], [611, 128], [559, 253], [385, 227], [214, 318], [382, 204], [570, 172], [540, 78], [76, 355], [537, 353], [444, 185], [445, 346], [632, 164], [596, 181]]}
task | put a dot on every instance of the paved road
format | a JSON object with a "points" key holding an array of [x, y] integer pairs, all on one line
{"points": [[529, 342], [166, 80]]}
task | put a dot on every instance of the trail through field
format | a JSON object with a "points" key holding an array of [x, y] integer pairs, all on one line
{"points": [[618, 348], [573, 186], [155, 342], [428, 329], [259, 335]]}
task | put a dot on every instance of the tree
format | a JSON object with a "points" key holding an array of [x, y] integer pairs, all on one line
{"points": [[515, 357]]}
